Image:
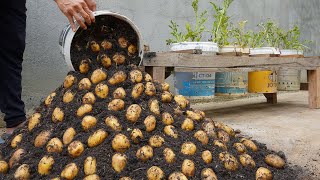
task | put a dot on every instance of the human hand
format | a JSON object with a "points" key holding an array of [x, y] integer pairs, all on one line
{"points": [[80, 10]]}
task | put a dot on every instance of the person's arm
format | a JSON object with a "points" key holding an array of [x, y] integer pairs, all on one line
{"points": [[78, 9]]}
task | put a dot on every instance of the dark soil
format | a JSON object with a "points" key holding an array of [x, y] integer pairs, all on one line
{"points": [[103, 153]]}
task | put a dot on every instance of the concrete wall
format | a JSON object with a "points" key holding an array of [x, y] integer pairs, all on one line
{"points": [[44, 68]]}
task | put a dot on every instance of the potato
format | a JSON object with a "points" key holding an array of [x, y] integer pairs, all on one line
{"points": [[155, 173], [69, 81], [194, 116], [171, 131], [229, 130], [92, 177], [223, 136], [34, 120], [89, 98], [178, 111], [88, 122], [150, 89], [150, 122], [208, 127], [49, 99], [154, 106], [75, 149], [113, 123], [136, 76], [220, 144], [105, 61], [181, 101], [116, 105], [137, 90], [119, 59], [240, 148], [177, 176], [68, 96], [165, 86], [118, 78], [90, 166], [16, 141], [98, 75], [156, 141], [263, 174], [247, 161], [15, 158], [188, 148], [119, 162], [187, 125], [202, 137], [84, 109], [106, 45], [148, 77], [97, 138], [133, 113], [84, 66], [167, 119], [275, 161], [102, 90], [45, 165], [70, 171], [145, 153], [95, 47], [136, 136], [119, 93], [188, 168], [166, 97], [123, 42], [57, 178], [206, 156], [230, 162], [201, 113], [54, 146], [218, 125], [42, 139], [169, 155], [84, 84], [249, 144], [125, 178], [3, 167], [120, 143], [132, 49], [68, 136], [57, 115], [208, 174], [22, 173]]}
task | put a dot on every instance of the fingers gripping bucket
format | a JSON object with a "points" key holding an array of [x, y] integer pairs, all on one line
{"points": [[67, 36]]}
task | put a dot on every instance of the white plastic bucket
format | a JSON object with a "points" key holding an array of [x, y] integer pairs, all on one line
{"points": [[67, 35], [264, 51], [230, 50], [206, 47], [291, 52]]}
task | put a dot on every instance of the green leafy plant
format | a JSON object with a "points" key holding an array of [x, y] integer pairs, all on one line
{"points": [[291, 39], [241, 36], [256, 39], [193, 34], [270, 32]]}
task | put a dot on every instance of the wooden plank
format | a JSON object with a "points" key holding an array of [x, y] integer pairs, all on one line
{"points": [[271, 98], [157, 73], [186, 69], [314, 88]]}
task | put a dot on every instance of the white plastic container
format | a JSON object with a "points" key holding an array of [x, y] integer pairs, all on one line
{"points": [[264, 51], [230, 50], [291, 52], [206, 47]]}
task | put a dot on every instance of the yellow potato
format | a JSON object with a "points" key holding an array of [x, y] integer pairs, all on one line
{"points": [[188, 168], [95, 47], [120, 143], [49, 99], [132, 49], [84, 109], [34, 120], [247, 161], [119, 93], [147, 78], [98, 75], [275, 161], [92, 177], [263, 174], [150, 122], [208, 174], [84, 66], [106, 45], [136, 76], [113, 123], [89, 98], [169, 155], [70, 171], [57, 178], [171, 131], [202, 137], [154, 106], [45, 165], [156, 141], [178, 111], [75, 149], [145, 153], [165, 86], [166, 97], [220, 144], [137, 90], [15, 158], [116, 105], [84, 84], [207, 156], [105, 61], [155, 173], [119, 59], [123, 42], [208, 127], [177, 176], [223, 136], [194, 116], [119, 162], [167, 119], [230, 162], [201, 113], [23, 172], [69, 81], [3, 167], [133, 113], [102, 90], [16, 141], [88, 122], [125, 178], [187, 125], [54, 146], [240, 148], [90, 166], [68, 136], [42, 139], [97, 138], [150, 89], [181, 101], [136, 136], [249, 144], [229, 130], [57, 115], [188, 148], [68, 96]]}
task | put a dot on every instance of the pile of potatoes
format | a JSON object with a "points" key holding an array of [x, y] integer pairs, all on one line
{"points": [[101, 85]]}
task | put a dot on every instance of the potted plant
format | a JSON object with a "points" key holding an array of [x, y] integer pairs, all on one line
{"points": [[243, 38]]}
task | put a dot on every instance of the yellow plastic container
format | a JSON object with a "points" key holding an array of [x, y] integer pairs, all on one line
{"points": [[262, 82]]}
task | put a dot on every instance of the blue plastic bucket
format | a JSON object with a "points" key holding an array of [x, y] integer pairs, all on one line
{"points": [[231, 83]]}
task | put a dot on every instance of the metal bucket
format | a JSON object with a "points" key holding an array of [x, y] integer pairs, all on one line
{"points": [[67, 35], [262, 82], [231, 84]]}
